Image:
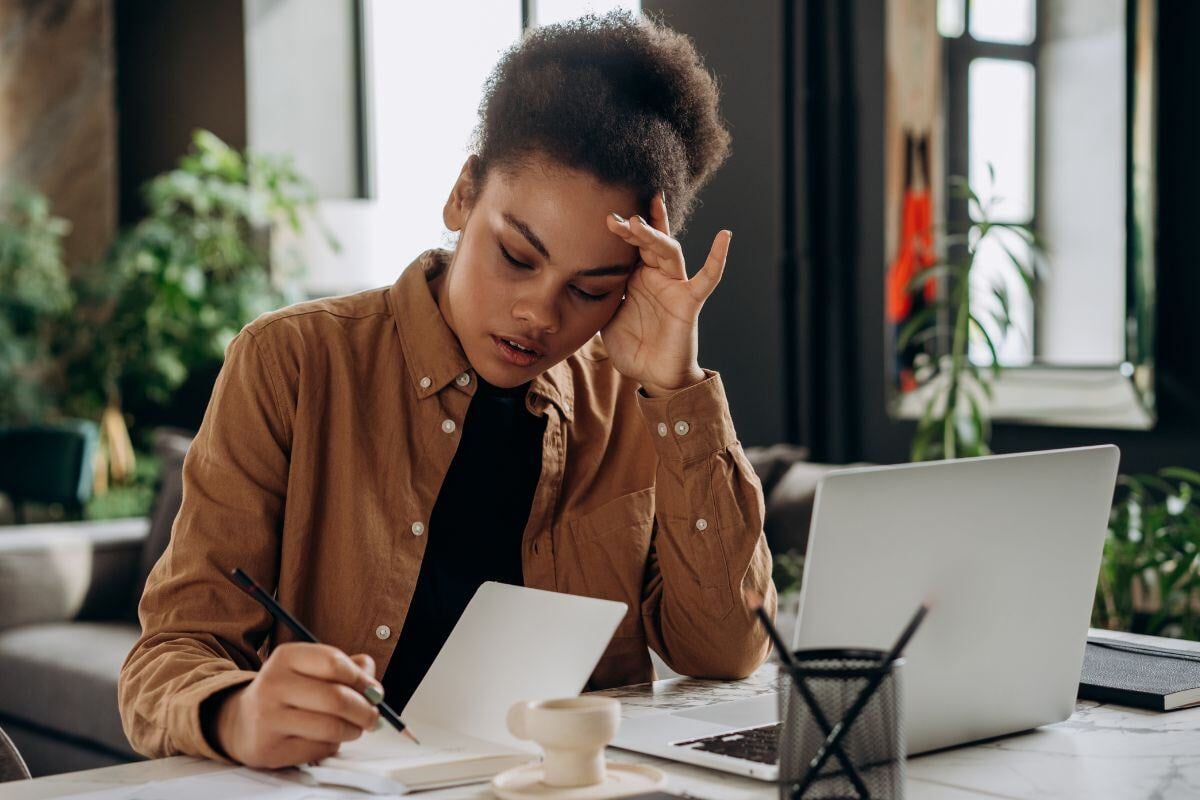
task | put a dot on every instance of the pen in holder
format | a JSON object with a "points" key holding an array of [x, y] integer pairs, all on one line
{"points": [[825, 746], [867, 761]]}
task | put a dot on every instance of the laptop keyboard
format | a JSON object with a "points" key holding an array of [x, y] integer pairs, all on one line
{"points": [[751, 744]]}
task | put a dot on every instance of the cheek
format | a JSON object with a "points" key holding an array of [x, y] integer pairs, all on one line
{"points": [[592, 318], [478, 294]]}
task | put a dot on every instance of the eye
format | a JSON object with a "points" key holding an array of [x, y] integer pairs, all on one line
{"points": [[513, 261], [591, 298]]}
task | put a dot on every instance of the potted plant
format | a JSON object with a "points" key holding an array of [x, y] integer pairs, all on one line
{"points": [[123, 336], [957, 389], [1150, 575], [179, 285], [54, 466]]}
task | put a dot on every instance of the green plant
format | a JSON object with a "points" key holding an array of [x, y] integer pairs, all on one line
{"points": [[955, 420], [179, 285], [34, 293], [787, 572], [134, 498], [1150, 576]]}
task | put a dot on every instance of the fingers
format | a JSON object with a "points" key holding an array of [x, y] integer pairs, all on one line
{"points": [[292, 750], [327, 698], [315, 727], [657, 249], [365, 663], [714, 266], [329, 664]]}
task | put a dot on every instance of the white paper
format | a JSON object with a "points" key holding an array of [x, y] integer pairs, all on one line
{"points": [[511, 644], [386, 762], [233, 783]]}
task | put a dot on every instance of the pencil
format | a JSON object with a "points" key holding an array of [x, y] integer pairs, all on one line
{"points": [[247, 584]]}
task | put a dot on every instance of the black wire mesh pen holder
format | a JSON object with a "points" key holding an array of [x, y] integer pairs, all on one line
{"points": [[870, 760]]}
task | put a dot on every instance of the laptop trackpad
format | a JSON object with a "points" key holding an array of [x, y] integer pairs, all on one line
{"points": [[761, 710]]}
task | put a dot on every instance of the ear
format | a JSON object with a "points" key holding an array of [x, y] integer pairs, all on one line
{"points": [[462, 196]]}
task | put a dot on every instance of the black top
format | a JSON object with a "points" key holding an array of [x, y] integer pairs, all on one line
{"points": [[474, 530]]}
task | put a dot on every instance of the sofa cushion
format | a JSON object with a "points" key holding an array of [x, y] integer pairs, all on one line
{"points": [[56, 571], [770, 463], [171, 446], [790, 506], [63, 677]]}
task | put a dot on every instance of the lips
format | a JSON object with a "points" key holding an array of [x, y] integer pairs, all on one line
{"points": [[517, 350]]}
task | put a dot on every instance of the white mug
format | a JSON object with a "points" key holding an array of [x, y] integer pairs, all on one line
{"points": [[572, 731]]}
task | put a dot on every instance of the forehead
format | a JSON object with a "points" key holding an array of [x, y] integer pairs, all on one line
{"points": [[565, 208]]}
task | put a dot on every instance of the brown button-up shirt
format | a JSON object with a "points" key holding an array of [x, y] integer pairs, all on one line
{"points": [[320, 457]]}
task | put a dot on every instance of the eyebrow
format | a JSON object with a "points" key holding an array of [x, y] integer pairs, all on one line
{"points": [[536, 243]]}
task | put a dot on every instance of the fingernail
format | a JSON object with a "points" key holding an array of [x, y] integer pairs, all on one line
{"points": [[379, 723], [638, 217], [617, 217], [374, 694]]}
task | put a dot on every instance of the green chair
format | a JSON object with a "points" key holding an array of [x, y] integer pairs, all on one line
{"points": [[49, 464]]}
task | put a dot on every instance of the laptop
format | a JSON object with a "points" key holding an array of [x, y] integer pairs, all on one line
{"points": [[1005, 550]]}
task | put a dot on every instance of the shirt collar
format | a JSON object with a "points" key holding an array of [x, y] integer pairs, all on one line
{"points": [[431, 350]]}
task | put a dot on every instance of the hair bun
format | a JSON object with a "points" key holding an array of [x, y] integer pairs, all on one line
{"points": [[625, 98]]}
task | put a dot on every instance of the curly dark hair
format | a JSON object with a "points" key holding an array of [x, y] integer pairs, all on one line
{"points": [[624, 98]]}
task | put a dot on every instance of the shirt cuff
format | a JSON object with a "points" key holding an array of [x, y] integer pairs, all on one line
{"points": [[184, 714], [691, 423]]}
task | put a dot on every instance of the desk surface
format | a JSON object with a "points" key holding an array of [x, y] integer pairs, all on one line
{"points": [[1102, 751]]}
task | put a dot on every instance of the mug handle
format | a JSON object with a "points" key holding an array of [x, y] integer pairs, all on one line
{"points": [[515, 720]]}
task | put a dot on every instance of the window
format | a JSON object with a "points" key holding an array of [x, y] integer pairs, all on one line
{"points": [[991, 57], [424, 67]]}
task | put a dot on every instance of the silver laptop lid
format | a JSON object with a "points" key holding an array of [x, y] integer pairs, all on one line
{"points": [[1006, 549]]}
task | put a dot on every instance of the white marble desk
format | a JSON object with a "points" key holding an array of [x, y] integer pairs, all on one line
{"points": [[1102, 751]]}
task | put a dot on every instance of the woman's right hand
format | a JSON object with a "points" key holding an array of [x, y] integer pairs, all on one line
{"points": [[306, 700]]}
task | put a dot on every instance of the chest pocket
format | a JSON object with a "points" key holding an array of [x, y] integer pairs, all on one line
{"points": [[605, 552]]}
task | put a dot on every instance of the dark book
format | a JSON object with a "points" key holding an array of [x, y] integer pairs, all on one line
{"points": [[1139, 675]]}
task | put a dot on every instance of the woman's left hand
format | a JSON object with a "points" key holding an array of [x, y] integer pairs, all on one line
{"points": [[653, 336]]}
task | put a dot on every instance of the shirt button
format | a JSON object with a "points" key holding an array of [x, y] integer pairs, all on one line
{"points": [[463, 380], [701, 524], [418, 528], [426, 382], [662, 429], [448, 426], [383, 631], [681, 428]]}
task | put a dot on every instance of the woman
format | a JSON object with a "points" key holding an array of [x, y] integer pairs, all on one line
{"points": [[376, 457]]}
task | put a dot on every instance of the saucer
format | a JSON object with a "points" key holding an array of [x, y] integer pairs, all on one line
{"points": [[621, 780]]}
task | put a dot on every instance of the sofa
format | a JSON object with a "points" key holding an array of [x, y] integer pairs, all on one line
{"points": [[68, 618], [68, 608]]}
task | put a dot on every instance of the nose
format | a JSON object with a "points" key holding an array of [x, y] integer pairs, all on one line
{"points": [[538, 309]]}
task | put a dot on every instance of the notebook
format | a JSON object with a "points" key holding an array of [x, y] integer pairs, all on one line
{"points": [[511, 644], [1140, 675]]}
